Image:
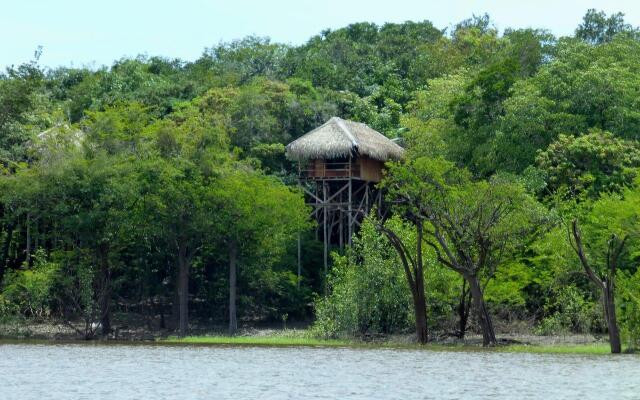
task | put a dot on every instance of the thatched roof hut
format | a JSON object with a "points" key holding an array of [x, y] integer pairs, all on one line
{"points": [[339, 138]]}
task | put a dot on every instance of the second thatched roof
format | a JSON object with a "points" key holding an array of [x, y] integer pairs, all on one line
{"points": [[340, 138]]}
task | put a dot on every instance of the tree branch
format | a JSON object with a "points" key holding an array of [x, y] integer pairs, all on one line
{"points": [[583, 258]]}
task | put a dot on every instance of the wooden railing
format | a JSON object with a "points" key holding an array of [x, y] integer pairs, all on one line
{"points": [[330, 170]]}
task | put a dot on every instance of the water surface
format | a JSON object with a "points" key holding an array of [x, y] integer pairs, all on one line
{"points": [[81, 371]]}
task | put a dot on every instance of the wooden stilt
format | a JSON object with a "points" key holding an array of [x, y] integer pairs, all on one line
{"points": [[340, 198], [350, 207], [366, 200], [340, 227], [316, 207], [325, 237]]}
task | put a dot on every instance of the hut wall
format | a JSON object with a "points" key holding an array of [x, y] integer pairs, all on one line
{"points": [[318, 168], [364, 168], [370, 169]]}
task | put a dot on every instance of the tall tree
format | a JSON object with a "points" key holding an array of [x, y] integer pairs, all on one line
{"points": [[588, 165], [601, 240], [256, 218], [174, 181], [597, 28], [472, 226], [413, 266]]}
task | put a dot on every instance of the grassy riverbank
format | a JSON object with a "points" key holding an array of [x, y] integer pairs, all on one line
{"points": [[517, 343], [300, 338], [259, 341], [599, 348]]}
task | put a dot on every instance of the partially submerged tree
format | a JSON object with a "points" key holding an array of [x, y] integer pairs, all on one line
{"points": [[472, 226]]}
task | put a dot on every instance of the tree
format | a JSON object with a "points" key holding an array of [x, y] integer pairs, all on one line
{"points": [[173, 212], [527, 126], [368, 286], [596, 28], [472, 226], [82, 203], [265, 111], [20, 94], [241, 60], [175, 180], [428, 124], [368, 292], [601, 241], [255, 217], [585, 87], [414, 271], [588, 165], [479, 108], [629, 284]]}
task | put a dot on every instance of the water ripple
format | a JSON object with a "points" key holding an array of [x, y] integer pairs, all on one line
{"points": [[68, 371]]}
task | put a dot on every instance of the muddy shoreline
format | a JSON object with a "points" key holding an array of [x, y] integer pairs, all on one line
{"points": [[63, 332]]}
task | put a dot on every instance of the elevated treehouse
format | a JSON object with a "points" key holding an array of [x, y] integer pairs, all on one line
{"points": [[339, 164]]}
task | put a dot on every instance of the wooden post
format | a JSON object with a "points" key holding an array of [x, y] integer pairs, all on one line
{"points": [[340, 227], [299, 239], [350, 220], [366, 199], [350, 207], [317, 217], [325, 238]]}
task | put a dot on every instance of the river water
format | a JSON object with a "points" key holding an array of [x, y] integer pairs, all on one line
{"points": [[81, 371]]}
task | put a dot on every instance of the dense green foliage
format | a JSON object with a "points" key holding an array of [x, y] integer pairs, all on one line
{"points": [[136, 187], [368, 289], [368, 295]]}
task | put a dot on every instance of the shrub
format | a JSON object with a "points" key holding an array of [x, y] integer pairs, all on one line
{"points": [[369, 290], [568, 311], [369, 294], [27, 291], [7, 309]]}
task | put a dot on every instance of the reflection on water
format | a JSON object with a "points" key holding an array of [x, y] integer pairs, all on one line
{"points": [[29, 371]]}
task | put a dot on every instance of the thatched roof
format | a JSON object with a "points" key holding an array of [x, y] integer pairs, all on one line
{"points": [[340, 138]]}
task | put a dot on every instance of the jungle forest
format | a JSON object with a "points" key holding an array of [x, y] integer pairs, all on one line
{"points": [[153, 197]]}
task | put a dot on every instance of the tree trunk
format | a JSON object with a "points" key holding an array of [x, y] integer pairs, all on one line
{"points": [[28, 248], [420, 307], [420, 298], [415, 279], [488, 334], [609, 304], [183, 289], [233, 277], [174, 317], [5, 250], [606, 285], [163, 323], [105, 290], [463, 309]]}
